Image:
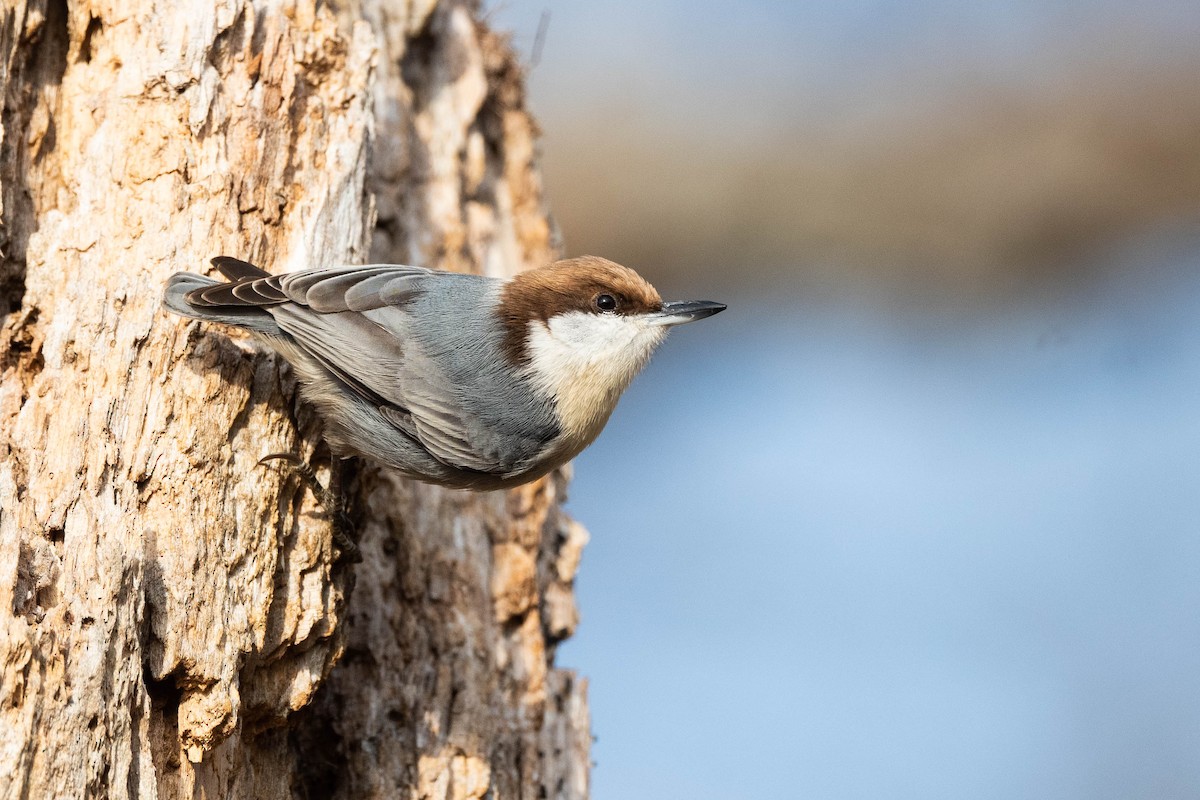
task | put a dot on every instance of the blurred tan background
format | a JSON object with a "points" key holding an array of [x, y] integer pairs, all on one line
{"points": [[926, 146]]}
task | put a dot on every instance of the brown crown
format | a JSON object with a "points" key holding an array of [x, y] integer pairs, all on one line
{"points": [[572, 284]]}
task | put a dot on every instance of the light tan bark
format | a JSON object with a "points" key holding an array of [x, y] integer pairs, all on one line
{"points": [[172, 621]]}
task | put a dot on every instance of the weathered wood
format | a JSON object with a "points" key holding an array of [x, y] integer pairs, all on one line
{"points": [[171, 614]]}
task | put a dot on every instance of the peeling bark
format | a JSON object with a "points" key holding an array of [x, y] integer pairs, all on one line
{"points": [[172, 621]]}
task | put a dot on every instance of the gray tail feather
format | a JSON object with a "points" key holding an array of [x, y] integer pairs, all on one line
{"points": [[175, 301]]}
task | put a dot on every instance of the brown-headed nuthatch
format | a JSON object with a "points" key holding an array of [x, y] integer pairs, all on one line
{"points": [[459, 380]]}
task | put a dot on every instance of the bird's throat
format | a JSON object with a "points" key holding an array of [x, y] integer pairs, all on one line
{"points": [[584, 362]]}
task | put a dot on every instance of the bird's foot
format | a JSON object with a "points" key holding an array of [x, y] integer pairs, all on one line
{"points": [[331, 499]]}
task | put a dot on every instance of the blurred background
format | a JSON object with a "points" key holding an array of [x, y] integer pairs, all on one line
{"points": [[919, 515]]}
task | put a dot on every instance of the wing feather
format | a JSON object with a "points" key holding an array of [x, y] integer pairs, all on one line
{"points": [[378, 357], [349, 288]]}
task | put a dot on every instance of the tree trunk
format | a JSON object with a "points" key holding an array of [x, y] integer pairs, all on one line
{"points": [[172, 621]]}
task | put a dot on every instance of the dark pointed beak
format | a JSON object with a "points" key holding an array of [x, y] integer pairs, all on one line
{"points": [[689, 311]]}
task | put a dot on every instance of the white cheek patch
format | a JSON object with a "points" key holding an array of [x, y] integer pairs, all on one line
{"points": [[594, 336], [585, 361]]}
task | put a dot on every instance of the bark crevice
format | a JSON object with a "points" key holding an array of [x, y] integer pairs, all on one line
{"points": [[33, 59]]}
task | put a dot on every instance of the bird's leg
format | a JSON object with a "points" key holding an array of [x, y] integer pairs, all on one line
{"points": [[332, 500]]}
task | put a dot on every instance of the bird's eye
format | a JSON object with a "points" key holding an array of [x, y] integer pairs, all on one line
{"points": [[606, 302]]}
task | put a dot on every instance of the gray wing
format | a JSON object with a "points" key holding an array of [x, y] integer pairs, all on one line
{"points": [[438, 381], [322, 290]]}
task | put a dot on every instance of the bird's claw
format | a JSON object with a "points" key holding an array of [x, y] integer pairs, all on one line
{"points": [[331, 500]]}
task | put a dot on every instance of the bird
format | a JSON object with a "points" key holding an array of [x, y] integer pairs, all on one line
{"points": [[455, 379]]}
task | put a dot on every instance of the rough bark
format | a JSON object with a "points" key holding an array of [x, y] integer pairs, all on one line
{"points": [[172, 621]]}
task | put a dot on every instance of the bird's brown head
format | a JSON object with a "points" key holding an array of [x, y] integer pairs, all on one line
{"points": [[582, 328], [587, 285]]}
